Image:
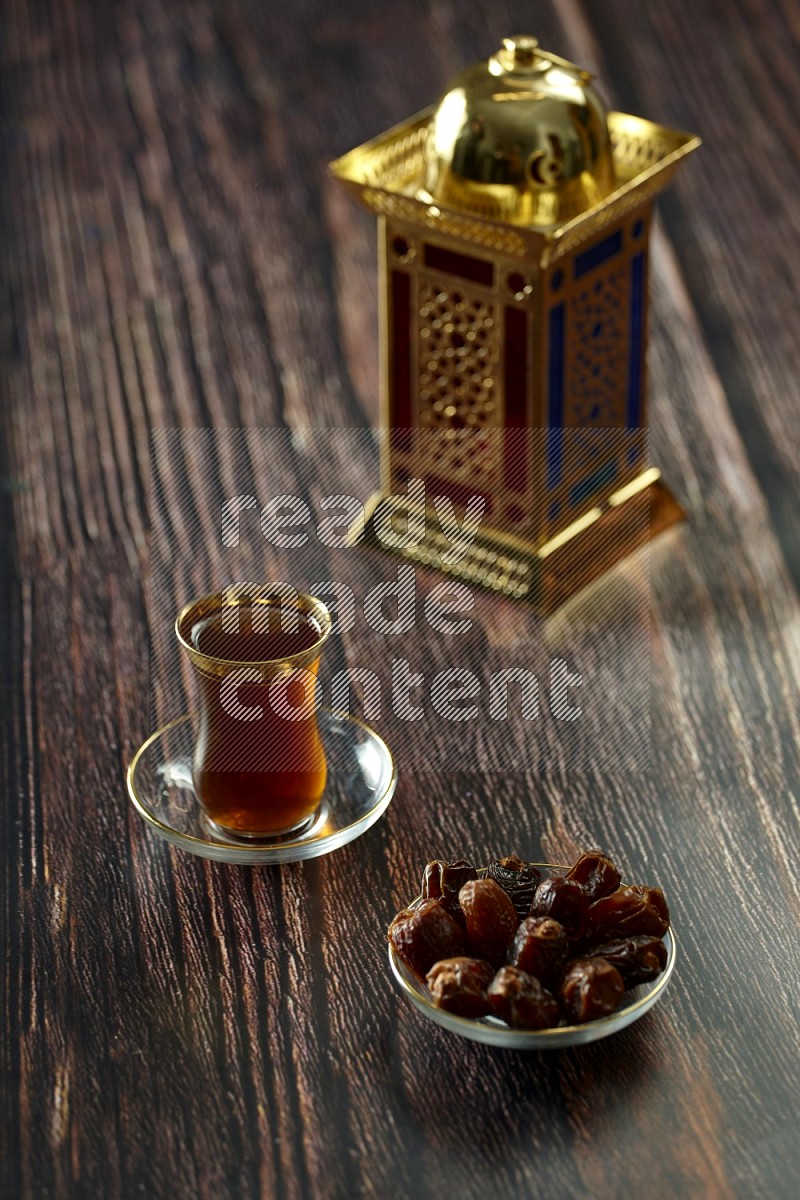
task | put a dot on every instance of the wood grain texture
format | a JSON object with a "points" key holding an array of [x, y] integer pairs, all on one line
{"points": [[174, 255]]}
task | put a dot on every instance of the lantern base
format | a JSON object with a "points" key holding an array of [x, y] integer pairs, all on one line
{"points": [[545, 576]]}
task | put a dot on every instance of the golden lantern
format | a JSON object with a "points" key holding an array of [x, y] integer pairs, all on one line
{"points": [[514, 224]]}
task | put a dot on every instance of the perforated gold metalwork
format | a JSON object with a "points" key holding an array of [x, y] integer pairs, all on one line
{"points": [[458, 355], [445, 221], [387, 173], [638, 145], [486, 563], [547, 576], [596, 370], [598, 450], [501, 564], [394, 162], [627, 201]]}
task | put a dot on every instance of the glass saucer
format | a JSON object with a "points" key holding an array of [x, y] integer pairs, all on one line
{"points": [[493, 1032], [362, 777]]}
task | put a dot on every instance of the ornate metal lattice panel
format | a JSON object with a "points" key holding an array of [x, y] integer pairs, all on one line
{"points": [[595, 379], [596, 374], [458, 350]]}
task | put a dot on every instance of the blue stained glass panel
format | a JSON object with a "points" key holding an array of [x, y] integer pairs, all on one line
{"points": [[599, 253], [635, 360], [555, 396]]}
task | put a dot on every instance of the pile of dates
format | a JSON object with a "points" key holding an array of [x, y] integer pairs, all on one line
{"points": [[534, 951]]}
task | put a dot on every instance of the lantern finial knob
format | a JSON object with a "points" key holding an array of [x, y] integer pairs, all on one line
{"points": [[522, 49]]}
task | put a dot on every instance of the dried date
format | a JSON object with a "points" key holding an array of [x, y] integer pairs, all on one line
{"points": [[518, 880], [522, 1001], [595, 873], [443, 881], [540, 948], [490, 917], [591, 988], [565, 901], [424, 935], [638, 959], [629, 910], [459, 986]]}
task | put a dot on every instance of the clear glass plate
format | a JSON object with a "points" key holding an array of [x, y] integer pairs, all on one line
{"points": [[493, 1032], [362, 777]]}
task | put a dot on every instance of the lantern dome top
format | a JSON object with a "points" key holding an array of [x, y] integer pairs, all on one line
{"points": [[521, 137]]}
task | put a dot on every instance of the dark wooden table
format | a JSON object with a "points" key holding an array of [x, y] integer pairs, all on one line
{"points": [[175, 256]]}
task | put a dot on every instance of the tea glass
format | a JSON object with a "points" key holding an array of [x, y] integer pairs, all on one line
{"points": [[258, 767]]}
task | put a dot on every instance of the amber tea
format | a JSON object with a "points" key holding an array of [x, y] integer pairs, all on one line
{"points": [[259, 764]]}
